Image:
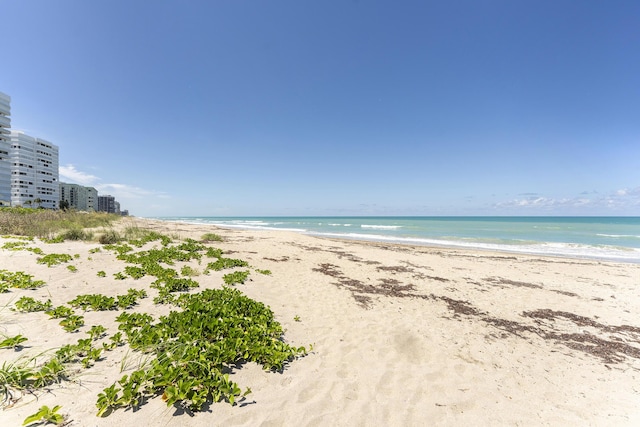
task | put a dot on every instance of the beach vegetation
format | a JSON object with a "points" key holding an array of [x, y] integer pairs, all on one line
{"points": [[109, 237], [166, 255], [80, 352], [21, 246], [116, 340], [186, 357], [99, 302], [93, 355], [29, 304], [72, 323], [174, 284], [45, 415], [265, 272], [14, 342], [95, 302], [45, 223], [135, 272], [96, 332], [51, 240], [19, 280], [196, 348], [76, 233], [59, 312], [54, 259], [213, 253], [15, 246], [236, 277], [23, 374], [72, 268], [24, 238], [140, 237], [224, 263], [130, 298], [189, 271], [210, 237]]}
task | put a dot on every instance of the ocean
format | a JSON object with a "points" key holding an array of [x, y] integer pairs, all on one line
{"points": [[604, 238]]}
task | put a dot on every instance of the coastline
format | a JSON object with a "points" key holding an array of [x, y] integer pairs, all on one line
{"points": [[401, 334], [596, 238]]}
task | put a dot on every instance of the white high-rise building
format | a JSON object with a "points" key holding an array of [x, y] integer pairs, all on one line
{"points": [[79, 197], [5, 148], [34, 172]]}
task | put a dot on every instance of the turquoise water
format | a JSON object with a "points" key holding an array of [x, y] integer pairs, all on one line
{"points": [[607, 238]]}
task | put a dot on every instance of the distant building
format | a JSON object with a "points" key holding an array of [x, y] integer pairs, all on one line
{"points": [[5, 147], [34, 171], [79, 197], [107, 204]]}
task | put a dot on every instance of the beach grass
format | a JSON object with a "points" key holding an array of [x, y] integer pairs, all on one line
{"points": [[43, 223]]}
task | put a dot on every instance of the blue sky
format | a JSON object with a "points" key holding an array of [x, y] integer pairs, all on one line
{"points": [[228, 108]]}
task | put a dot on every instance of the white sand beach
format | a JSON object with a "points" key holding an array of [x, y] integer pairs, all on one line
{"points": [[401, 335]]}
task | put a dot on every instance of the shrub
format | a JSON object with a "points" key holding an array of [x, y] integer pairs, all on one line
{"points": [[76, 234], [109, 237], [210, 237]]}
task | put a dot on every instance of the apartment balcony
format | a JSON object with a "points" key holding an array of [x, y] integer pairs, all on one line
{"points": [[5, 121]]}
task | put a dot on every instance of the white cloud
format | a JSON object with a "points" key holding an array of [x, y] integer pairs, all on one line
{"points": [[624, 201], [70, 174], [125, 191], [536, 202], [633, 192]]}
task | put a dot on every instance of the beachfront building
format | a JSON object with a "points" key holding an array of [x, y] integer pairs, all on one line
{"points": [[5, 147], [79, 197], [107, 204], [34, 171]]}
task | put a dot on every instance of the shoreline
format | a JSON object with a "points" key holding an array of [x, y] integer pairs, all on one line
{"points": [[417, 242], [402, 335]]}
